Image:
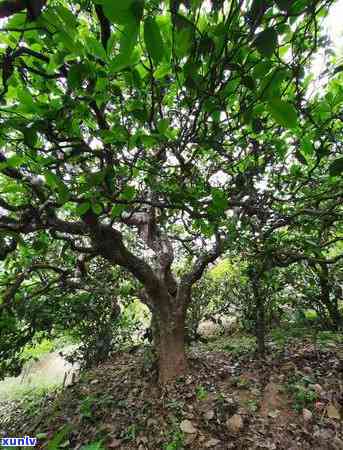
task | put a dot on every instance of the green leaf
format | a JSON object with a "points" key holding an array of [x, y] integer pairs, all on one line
{"points": [[51, 179], [255, 10], [95, 48], [162, 71], [307, 146], [119, 11], [153, 40], [261, 69], [122, 61], [129, 36], [30, 136], [117, 210], [211, 104], [63, 193], [93, 446], [69, 42], [206, 228], [59, 437], [266, 42], [283, 113], [300, 157], [183, 40], [16, 21], [219, 200], [338, 69], [249, 82], [76, 75], [97, 208], [14, 161], [163, 126], [271, 84], [41, 436], [147, 140], [336, 167], [140, 114], [66, 16], [82, 208], [96, 178], [27, 103], [128, 193]]}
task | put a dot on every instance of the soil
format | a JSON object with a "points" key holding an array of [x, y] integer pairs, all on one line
{"points": [[292, 399]]}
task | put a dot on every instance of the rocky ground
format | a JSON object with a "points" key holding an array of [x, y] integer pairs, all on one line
{"points": [[292, 399]]}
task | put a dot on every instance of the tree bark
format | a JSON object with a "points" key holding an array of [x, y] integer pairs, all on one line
{"points": [[169, 341], [172, 361], [330, 304], [335, 315], [260, 322], [260, 328]]}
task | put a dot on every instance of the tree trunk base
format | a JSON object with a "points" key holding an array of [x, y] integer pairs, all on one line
{"points": [[170, 370], [172, 362]]}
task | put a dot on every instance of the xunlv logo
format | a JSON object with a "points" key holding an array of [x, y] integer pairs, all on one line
{"points": [[19, 442]]}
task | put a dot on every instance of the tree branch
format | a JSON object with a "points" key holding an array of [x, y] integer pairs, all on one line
{"points": [[202, 262], [290, 258], [105, 25], [159, 243], [108, 243], [13, 288], [34, 8]]}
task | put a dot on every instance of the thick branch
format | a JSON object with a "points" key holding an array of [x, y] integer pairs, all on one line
{"points": [[199, 267], [291, 258], [160, 244], [64, 226], [108, 243], [71, 243], [33, 183], [34, 8]]}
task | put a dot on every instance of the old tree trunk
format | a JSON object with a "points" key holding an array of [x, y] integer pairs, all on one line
{"points": [[167, 297], [169, 341], [169, 309]]}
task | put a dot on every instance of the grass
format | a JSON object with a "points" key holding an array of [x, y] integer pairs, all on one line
{"points": [[330, 337], [41, 347], [11, 389], [33, 399], [242, 343], [201, 393], [300, 389], [238, 344], [32, 379], [286, 334], [38, 350], [26, 405]]}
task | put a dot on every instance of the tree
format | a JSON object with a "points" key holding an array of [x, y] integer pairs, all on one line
{"points": [[158, 130]]}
